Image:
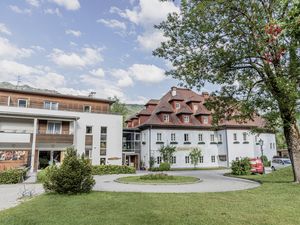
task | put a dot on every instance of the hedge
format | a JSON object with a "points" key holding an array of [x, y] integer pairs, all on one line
{"points": [[12, 176], [112, 169]]}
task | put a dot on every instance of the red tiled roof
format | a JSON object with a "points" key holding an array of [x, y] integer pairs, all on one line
{"points": [[152, 102], [144, 112], [184, 109]]}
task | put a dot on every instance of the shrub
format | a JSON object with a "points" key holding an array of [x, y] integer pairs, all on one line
{"points": [[157, 176], [73, 176], [265, 161], [41, 175], [12, 176], [112, 169], [241, 166], [164, 166], [167, 152]]}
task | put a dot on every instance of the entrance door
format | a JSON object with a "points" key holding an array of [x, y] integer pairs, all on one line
{"points": [[47, 158], [132, 160]]}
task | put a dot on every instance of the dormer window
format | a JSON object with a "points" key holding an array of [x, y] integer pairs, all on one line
{"points": [[177, 105], [195, 107], [205, 119], [166, 118], [186, 119]]}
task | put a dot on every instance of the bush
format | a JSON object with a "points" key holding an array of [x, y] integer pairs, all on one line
{"points": [[112, 169], [265, 161], [164, 166], [241, 166], [73, 176], [12, 176], [157, 176], [41, 175]]}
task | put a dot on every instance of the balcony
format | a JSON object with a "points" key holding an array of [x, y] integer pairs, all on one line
{"points": [[55, 138]]}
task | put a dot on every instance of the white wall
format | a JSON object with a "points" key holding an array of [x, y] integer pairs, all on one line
{"points": [[16, 125], [14, 138]]}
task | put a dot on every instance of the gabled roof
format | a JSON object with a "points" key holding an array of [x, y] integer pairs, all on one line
{"points": [[202, 110], [184, 109], [152, 102]]}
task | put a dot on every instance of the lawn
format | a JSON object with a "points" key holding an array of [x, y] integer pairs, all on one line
{"points": [[167, 179], [277, 201]]}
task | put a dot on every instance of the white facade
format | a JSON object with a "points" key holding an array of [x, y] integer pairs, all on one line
{"points": [[218, 147], [22, 129]]}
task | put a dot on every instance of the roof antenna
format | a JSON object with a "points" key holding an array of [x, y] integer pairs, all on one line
{"points": [[18, 81], [92, 94]]}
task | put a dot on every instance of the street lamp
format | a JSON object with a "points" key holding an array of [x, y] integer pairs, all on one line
{"points": [[261, 143]]}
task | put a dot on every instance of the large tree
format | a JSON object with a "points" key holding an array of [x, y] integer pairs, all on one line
{"points": [[250, 48]]}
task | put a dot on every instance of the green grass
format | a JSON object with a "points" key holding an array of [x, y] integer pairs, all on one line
{"points": [[276, 202], [166, 180]]}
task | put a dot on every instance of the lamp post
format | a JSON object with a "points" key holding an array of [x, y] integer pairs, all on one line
{"points": [[261, 143]]}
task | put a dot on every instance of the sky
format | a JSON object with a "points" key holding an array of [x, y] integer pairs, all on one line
{"points": [[79, 46]]}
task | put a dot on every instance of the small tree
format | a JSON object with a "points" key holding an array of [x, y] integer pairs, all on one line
{"points": [[73, 176], [241, 166], [167, 152], [195, 156]]}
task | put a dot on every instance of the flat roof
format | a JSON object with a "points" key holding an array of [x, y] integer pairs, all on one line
{"points": [[58, 95]]}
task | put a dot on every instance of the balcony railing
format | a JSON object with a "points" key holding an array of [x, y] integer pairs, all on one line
{"points": [[55, 138]]}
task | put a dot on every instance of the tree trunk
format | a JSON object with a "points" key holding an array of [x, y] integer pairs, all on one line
{"points": [[292, 136]]}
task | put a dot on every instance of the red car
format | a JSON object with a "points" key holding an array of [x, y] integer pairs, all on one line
{"points": [[257, 165]]}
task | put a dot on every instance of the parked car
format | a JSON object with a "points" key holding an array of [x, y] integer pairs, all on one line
{"points": [[257, 165], [278, 163]]}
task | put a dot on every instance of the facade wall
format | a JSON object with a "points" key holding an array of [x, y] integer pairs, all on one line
{"points": [[220, 147]]}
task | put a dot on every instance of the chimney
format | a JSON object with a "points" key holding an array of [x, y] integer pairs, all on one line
{"points": [[173, 89], [205, 95]]}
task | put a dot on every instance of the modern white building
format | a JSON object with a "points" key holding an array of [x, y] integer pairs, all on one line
{"points": [[37, 127], [180, 119]]}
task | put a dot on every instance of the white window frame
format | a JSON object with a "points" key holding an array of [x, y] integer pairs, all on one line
{"points": [[212, 138], [201, 159], [195, 107], [200, 137], [90, 108], [86, 130], [205, 119], [55, 122], [220, 137], [245, 136], [51, 105], [186, 137], [213, 158], [158, 137], [177, 105], [166, 118], [235, 136], [158, 159], [22, 99], [173, 136], [187, 159], [186, 119]]}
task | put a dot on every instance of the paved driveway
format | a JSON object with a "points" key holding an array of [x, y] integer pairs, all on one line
{"points": [[212, 181], [10, 193]]}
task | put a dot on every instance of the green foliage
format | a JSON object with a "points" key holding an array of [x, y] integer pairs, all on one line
{"points": [[241, 166], [151, 161], [12, 176], [41, 175], [195, 155], [157, 176], [118, 107], [265, 161], [167, 152], [164, 166], [112, 169], [73, 176]]}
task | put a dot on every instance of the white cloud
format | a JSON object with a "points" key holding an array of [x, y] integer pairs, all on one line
{"points": [[68, 4], [9, 68], [75, 33], [35, 3], [89, 56], [38, 48], [97, 72], [10, 51], [113, 23], [150, 40], [123, 76], [4, 29], [52, 11], [16, 9]]}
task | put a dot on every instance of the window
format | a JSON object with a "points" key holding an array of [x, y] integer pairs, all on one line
{"points": [[244, 136], [51, 105], [271, 145], [187, 159], [22, 103], [87, 108], [201, 159], [173, 160], [88, 153], [220, 138], [102, 161], [222, 158], [213, 158], [89, 129], [212, 138], [195, 107], [54, 127], [158, 137], [205, 119], [200, 137], [137, 137], [166, 118], [103, 140], [235, 137], [173, 137], [186, 119], [186, 137], [158, 159], [177, 105]]}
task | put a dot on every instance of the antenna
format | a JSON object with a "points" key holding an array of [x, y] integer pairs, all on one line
{"points": [[18, 81], [92, 94]]}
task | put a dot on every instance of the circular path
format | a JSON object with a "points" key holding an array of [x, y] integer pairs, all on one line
{"points": [[212, 181]]}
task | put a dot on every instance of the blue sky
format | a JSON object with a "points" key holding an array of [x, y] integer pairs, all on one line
{"points": [[78, 46]]}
